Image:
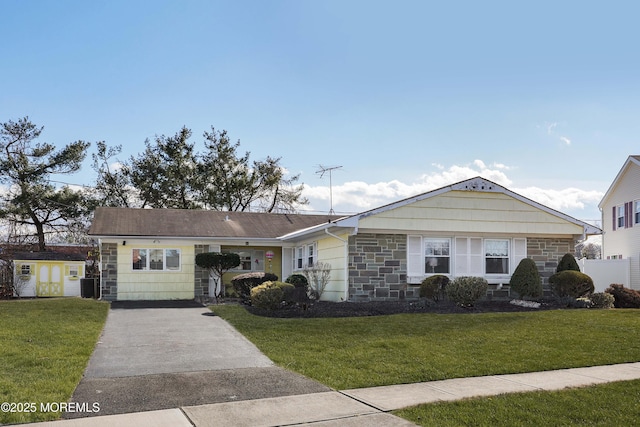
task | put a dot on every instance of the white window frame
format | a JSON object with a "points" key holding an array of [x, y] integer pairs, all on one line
{"points": [[636, 212], [304, 256], [429, 257], [148, 263], [506, 257], [28, 271], [620, 216]]}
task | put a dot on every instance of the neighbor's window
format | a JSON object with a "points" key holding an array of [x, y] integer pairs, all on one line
{"points": [[437, 256], [620, 216], [636, 212], [156, 259], [496, 256]]}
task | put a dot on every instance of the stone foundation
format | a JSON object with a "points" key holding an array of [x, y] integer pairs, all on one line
{"points": [[547, 254]]}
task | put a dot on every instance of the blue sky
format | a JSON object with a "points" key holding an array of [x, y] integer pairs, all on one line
{"points": [[406, 96]]}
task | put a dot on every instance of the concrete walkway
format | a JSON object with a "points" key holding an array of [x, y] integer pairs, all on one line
{"points": [[358, 407]]}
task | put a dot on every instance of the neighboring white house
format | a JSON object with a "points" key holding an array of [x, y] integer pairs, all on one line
{"points": [[472, 228], [620, 209]]}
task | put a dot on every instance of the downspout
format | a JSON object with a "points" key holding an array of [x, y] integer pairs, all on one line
{"points": [[346, 263]]}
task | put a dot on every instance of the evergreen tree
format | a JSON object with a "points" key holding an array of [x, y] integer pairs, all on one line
{"points": [[30, 201]]}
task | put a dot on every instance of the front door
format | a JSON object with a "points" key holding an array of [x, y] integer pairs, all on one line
{"points": [[49, 281]]}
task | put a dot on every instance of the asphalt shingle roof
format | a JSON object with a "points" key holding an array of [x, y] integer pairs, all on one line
{"points": [[198, 223]]}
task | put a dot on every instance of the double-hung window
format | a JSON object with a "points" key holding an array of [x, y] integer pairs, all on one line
{"points": [[437, 255], [155, 259], [496, 256], [304, 256], [620, 216], [636, 212]]}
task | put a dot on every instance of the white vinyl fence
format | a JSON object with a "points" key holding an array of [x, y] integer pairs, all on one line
{"points": [[604, 272]]}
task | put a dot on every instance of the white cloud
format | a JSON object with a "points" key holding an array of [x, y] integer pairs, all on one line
{"points": [[358, 196], [561, 200], [565, 140]]}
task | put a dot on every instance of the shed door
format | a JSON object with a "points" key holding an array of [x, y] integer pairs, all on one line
{"points": [[49, 280]]}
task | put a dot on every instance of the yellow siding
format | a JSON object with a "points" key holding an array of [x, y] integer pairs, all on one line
{"points": [[332, 251], [471, 212], [151, 285]]}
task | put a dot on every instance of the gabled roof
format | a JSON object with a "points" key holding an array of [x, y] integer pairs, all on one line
{"points": [[179, 223], [631, 160], [474, 184]]}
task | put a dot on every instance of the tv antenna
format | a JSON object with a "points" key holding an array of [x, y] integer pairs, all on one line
{"points": [[322, 170]]}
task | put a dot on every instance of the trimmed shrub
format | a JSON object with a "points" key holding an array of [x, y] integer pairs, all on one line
{"points": [[271, 295], [243, 283], [624, 297], [301, 291], [570, 283], [467, 290], [434, 286], [567, 263], [602, 300], [298, 280], [526, 279]]}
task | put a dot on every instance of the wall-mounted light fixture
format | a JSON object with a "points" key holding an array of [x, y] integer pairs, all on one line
{"points": [[124, 242]]}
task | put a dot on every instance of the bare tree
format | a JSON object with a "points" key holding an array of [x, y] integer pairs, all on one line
{"points": [[318, 276]]}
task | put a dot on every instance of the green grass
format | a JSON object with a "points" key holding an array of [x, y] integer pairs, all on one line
{"points": [[613, 404], [45, 345], [359, 352]]}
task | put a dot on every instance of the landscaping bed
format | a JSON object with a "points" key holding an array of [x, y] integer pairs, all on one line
{"points": [[380, 308]]}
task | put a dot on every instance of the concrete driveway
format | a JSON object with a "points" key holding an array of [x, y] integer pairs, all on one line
{"points": [[160, 358]]}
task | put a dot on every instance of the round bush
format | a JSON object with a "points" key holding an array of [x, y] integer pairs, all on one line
{"points": [[301, 291], [268, 295], [243, 283], [526, 279], [467, 290], [602, 300], [624, 297], [570, 283], [567, 263], [432, 287]]}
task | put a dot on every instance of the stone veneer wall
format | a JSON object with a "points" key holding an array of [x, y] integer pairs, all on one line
{"points": [[378, 268], [547, 254], [201, 276], [109, 276]]}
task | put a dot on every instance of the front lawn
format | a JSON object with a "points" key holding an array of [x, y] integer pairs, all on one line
{"points": [[613, 404], [45, 345], [346, 353]]}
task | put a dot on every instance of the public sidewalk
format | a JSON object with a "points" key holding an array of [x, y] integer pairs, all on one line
{"points": [[358, 407]]}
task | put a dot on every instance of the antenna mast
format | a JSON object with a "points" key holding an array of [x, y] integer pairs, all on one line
{"points": [[322, 170]]}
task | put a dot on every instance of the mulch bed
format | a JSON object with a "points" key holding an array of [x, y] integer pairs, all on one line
{"points": [[379, 308]]}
